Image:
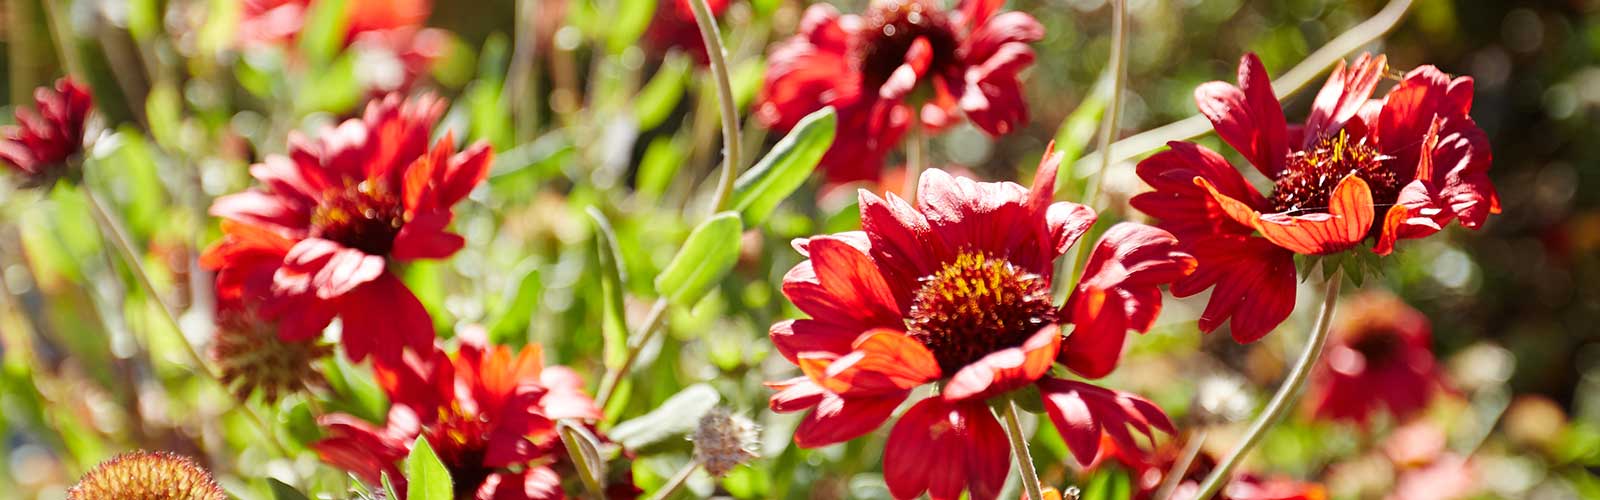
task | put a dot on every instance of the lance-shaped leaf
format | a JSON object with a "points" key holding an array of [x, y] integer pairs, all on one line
{"points": [[584, 450], [282, 491], [710, 252], [614, 322], [426, 477], [785, 168], [677, 415]]}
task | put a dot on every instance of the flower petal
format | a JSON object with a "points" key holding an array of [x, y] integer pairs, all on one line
{"points": [[942, 448], [842, 286], [1119, 291], [837, 419], [1081, 412], [1347, 90], [1184, 207], [1248, 117], [1349, 217], [882, 362], [382, 318], [1007, 369], [1254, 280], [796, 336]]}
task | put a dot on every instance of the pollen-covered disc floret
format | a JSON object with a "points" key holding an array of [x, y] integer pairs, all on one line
{"points": [[365, 216], [1311, 175], [253, 357], [146, 475], [978, 304], [724, 440]]}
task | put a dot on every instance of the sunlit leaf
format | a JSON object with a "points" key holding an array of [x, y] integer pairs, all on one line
{"points": [[614, 323], [785, 168], [282, 491], [677, 415], [323, 34], [426, 476], [521, 302], [661, 95], [710, 252]]}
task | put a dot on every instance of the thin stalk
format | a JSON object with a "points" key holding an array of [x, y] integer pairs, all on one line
{"points": [[640, 338], [732, 159], [119, 239], [1019, 446], [67, 50], [1285, 398], [1109, 124], [519, 85], [916, 159], [1169, 483], [676, 482]]}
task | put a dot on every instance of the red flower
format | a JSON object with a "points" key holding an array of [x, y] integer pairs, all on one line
{"points": [[1426, 469], [902, 60], [488, 412], [674, 27], [43, 139], [1415, 152], [1379, 358], [956, 289], [316, 239], [391, 26], [1149, 473]]}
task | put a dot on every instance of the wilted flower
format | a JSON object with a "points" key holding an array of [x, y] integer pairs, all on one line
{"points": [[1415, 153], [673, 27], [252, 357], [1380, 358], [956, 290], [488, 412], [724, 440], [902, 60], [317, 238], [45, 138], [147, 475]]}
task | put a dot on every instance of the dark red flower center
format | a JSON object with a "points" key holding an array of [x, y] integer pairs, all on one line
{"points": [[891, 27], [976, 305], [1378, 347], [1310, 176], [364, 216], [461, 440]]}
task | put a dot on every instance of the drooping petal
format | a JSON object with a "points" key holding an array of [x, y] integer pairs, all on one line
{"points": [[943, 448], [425, 237], [1119, 291], [881, 362], [904, 78], [1007, 369], [1254, 284], [383, 317], [1185, 208], [1082, 412], [1248, 117]]}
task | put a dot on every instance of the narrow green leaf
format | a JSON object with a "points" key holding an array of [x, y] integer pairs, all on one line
{"points": [[426, 477], [324, 31], [662, 160], [710, 252], [627, 23], [584, 450], [785, 168], [163, 108], [1109, 484], [661, 95], [677, 415], [614, 321], [282, 491]]}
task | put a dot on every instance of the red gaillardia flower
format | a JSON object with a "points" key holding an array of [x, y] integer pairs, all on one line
{"points": [[488, 412], [674, 27], [147, 475], [1379, 358], [955, 290], [902, 60], [1399, 167], [44, 139], [316, 240]]}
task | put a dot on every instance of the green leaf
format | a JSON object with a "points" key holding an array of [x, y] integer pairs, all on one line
{"points": [[661, 95], [163, 108], [522, 301], [627, 22], [591, 468], [144, 19], [661, 161], [282, 491], [710, 252], [677, 415], [1108, 484], [614, 321], [785, 168], [426, 477], [322, 36]]}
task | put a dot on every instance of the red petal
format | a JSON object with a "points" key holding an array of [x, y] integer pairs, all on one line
{"points": [[882, 362], [841, 285], [464, 171], [1349, 217], [793, 337], [901, 241], [424, 237], [1248, 117], [943, 448], [1119, 291], [383, 318], [1007, 369], [795, 394], [1347, 90], [263, 209], [1081, 412], [837, 419], [1182, 206], [1254, 279], [904, 78]]}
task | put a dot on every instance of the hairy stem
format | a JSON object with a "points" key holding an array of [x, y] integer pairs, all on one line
{"points": [[640, 338], [1287, 394], [1019, 447], [710, 34]]}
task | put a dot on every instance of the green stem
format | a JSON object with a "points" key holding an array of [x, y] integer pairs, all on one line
{"points": [[1169, 483], [1109, 124], [710, 34], [1285, 398], [119, 239], [676, 482], [1019, 446], [916, 159], [652, 323]]}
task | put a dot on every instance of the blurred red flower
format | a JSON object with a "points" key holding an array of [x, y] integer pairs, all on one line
{"points": [[879, 68], [395, 26], [316, 240], [45, 137], [1425, 468], [1380, 358], [956, 290], [1149, 472], [674, 27], [488, 412], [1415, 153]]}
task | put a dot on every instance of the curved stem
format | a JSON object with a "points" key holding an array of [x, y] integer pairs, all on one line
{"points": [[119, 239], [1169, 483], [1019, 446], [1118, 67], [1287, 394], [1285, 86], [676, 482], [730, 113], [641, 338]]}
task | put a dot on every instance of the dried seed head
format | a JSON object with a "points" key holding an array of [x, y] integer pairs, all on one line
{"points": [[146, 475], [253, 357], [724, 440]]}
